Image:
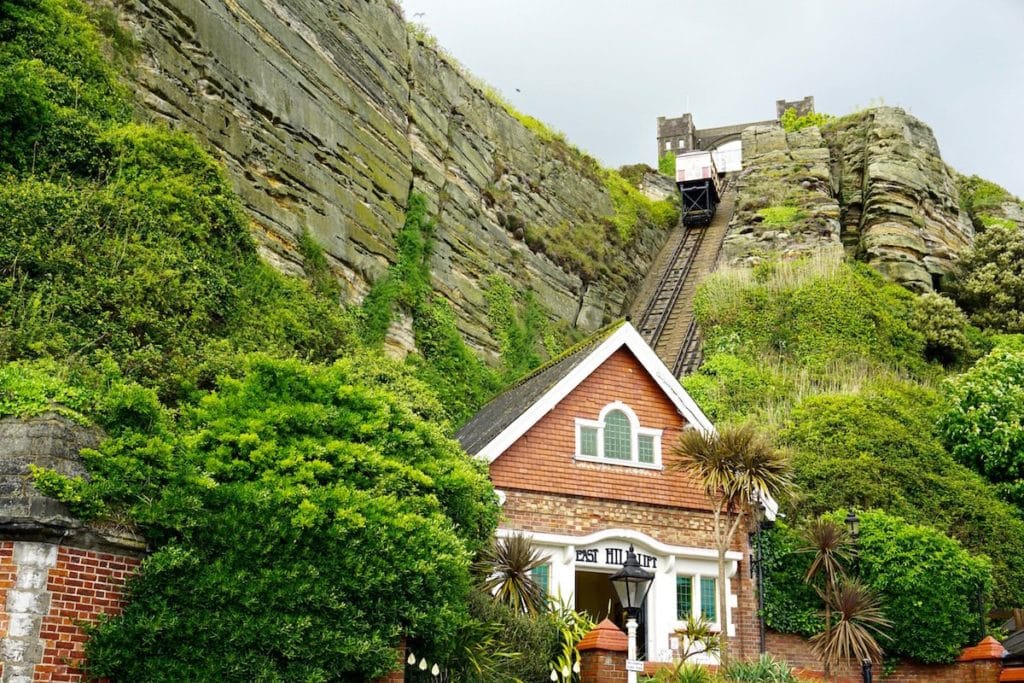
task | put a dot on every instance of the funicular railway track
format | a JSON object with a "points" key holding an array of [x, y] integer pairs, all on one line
{"points": [[666, 318]]}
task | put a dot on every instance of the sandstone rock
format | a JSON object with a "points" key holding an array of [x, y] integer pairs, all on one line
{"points": [[787, 171], [900, 206], [327, 115]]}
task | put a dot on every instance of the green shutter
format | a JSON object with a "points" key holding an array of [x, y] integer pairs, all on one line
{"points": [[707, 599], [616, 436], [684, 598], [588, 441], [645, 447]]}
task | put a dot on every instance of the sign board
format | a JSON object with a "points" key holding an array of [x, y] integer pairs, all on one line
{"points": [[634, 665]]}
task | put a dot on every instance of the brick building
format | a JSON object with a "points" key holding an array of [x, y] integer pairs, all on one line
{"points": [[581, 454]]}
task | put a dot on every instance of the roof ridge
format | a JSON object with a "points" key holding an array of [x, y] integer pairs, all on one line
{"points": [[598, 336]]}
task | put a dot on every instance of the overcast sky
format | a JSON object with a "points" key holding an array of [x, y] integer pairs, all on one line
{"points": [[602, 71]]}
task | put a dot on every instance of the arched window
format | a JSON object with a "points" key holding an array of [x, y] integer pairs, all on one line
{"points": [[617, 437]]}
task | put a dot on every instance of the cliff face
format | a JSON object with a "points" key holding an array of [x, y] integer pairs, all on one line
{"points": [[327, 116], [873, 182]]}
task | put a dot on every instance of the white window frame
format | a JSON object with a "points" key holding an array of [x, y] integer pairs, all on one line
{"points": [[635, 432], [695, 601]]}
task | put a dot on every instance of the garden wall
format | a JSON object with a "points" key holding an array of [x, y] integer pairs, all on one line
{"points": [[56, 574]]}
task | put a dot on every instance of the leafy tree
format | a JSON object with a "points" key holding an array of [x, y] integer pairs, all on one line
{"points": [[736, 467], [667, 164], [792, 122], [989, 281], [304, 519], [943, 326], [984, 424]]}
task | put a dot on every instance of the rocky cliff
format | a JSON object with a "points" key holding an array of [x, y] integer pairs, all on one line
{"points": [[872, 181], [328, 116]]}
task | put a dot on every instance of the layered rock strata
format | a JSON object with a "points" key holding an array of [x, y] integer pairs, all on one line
{"points": [[784, 205], [900, 206], [327, 116], [873, 181]]}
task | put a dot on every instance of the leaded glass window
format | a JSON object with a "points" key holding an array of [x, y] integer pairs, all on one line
{"points": [[707, 598], [540, 577], [645, 448], [588, 441], [617, 436], [684, 598]]}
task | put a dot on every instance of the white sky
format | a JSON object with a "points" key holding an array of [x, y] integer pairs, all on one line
{"points": [[602, 71]]}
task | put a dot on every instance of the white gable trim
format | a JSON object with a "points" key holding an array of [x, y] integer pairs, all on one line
{"points": [[626, 336]]}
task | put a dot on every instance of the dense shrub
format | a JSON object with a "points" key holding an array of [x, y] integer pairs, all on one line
{"points": [[989, 282], [928, 586], [879, 448], [983, 423], [729, 388], [943, 326], [379, 513], [792, 122], [667, 164]]}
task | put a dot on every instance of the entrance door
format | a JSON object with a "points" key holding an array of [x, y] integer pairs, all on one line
{"points": [[596, 596]]}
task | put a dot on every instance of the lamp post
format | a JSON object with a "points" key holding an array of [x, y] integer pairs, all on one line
{"points": [[631, 584], [853, 526], [760, 511]]}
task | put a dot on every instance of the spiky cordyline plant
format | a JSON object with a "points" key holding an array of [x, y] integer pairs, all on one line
{"points": [[735, 467], [507, 565], [830, 543], [858, 619]]}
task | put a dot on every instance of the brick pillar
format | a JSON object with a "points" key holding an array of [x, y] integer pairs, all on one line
{"points": [[398, 675], [985, 659], [603, 654]]}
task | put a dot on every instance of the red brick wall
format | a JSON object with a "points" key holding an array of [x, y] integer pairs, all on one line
{"points": [[8, 573], [542, 459], [602, 666], [83, 585], [797, 652]]}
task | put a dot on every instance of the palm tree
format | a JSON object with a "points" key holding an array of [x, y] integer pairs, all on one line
{"points": [[830, 543], [507, 567], [858, 620], [735, 466]]}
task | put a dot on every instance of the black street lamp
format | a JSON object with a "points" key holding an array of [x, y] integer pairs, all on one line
{"points": [[853, 525], [632, 583], [760, 512]]}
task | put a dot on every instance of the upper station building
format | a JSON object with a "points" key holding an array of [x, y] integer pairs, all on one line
{"points": [[581, 452], [678, 135]]}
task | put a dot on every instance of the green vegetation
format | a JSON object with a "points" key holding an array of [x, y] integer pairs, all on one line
{"points": [[765, 669], [380, 511], [667, 164], [989, 282], [928, 585], [791, 122], [835, 361], [812, 315], [123, 243], [780, 215], [983, 422], [947, 336]]}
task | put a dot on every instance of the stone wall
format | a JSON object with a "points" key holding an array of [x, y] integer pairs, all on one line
{"points": [[56, 574], [326, 116]]}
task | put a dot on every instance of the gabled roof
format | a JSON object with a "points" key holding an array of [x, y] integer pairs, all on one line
{"points": [[511, 414]]}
